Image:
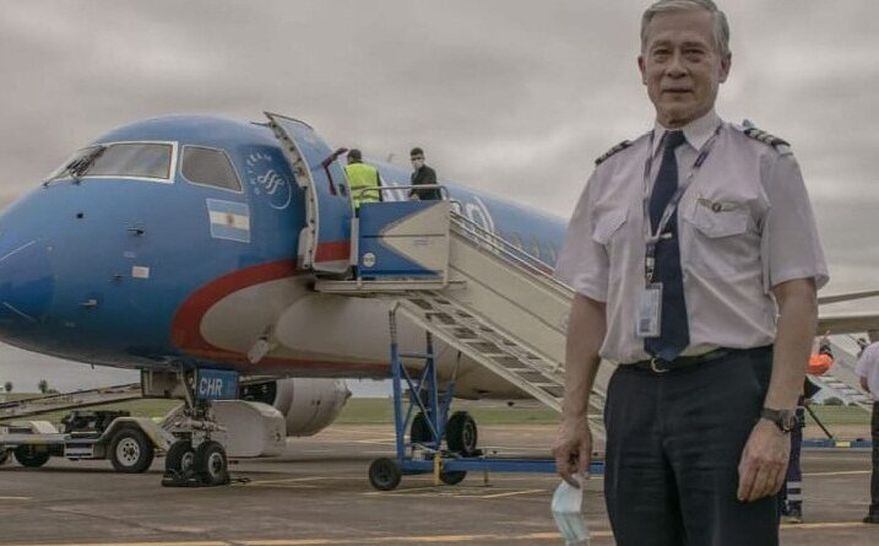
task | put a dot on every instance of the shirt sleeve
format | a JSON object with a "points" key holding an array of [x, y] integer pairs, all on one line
{"points": [[790, 244], [583, 263], [862, 369]]}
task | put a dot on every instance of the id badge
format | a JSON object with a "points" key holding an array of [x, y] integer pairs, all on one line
{"points": [[649, 322]]}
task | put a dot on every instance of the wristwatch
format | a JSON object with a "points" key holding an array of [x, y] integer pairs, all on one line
{"points": [[785, 420]]}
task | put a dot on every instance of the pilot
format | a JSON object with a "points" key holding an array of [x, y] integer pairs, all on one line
{"points": [[868, 370], [422, 175], [362, 176], [696, 260]]}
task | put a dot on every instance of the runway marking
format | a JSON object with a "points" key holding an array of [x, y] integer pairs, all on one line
{"points": [[417, 539], [412, 539], [512, 493], [839, 473], [826, 525], [456, 492], [15, 498]]}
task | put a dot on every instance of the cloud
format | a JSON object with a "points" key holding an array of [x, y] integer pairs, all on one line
{"points": [[515, 98]]}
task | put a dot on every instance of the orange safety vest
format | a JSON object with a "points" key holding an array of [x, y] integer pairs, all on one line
{"points": [[819, 363]]}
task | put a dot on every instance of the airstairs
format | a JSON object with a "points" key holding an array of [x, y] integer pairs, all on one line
{"points": [[842, 380], [489, 300], [39, 405]]}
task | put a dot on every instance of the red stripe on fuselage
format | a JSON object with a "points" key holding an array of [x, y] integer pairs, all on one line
{"points": [[333, 252], [186, 326]]}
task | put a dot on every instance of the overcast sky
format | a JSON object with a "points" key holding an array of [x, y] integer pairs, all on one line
{"points": [[516, 98]]}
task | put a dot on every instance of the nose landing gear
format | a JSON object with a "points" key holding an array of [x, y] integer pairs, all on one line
{"points": [[196, 459]]}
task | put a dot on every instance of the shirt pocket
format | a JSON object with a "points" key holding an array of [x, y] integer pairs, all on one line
{"points": [[721, 243], [608, 224]]}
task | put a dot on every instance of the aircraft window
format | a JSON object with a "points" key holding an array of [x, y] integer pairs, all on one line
{"points": [[553, 254], [76, 163], [142, 160], [209, 167], [516, 240]]}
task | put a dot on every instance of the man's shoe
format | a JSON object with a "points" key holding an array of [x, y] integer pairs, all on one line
{"points": [[872, 518], [794, 515]]}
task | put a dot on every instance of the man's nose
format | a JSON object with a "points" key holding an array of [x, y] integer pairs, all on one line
{"points": [[675, 68]]}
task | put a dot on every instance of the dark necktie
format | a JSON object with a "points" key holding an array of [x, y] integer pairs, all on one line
{"points": [[675, 329]]}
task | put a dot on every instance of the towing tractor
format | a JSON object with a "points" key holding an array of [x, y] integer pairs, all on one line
{"points": [[130, 443]]}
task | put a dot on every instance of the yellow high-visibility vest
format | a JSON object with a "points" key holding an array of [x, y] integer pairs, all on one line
{"points": [[361, 175]]}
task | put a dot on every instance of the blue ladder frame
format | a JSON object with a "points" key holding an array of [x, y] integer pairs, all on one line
{"points": [[424, 395]]}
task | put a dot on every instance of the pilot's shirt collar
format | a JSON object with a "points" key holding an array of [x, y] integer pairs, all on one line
{"points": [[697, 132]]}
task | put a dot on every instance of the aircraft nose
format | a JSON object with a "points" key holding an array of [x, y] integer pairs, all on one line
{"points": [[26, 282]]}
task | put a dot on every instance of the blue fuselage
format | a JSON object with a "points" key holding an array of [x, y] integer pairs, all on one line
{"points": [[116, 270]]}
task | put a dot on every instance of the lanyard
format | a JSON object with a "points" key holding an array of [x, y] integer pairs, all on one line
{"points": [[652, 238]]}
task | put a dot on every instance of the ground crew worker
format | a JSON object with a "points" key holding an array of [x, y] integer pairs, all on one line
{"points": [[362, 176], [679, 248], [821, 361], [868, 370], [422, 175], [791, 496]]}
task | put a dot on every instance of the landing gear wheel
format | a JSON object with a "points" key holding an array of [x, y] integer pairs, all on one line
{"points": [[385, 474], [454, 477], [180, 459], [131, 451], [211, 465], [461, 434], [419, 432], [31, 458]]}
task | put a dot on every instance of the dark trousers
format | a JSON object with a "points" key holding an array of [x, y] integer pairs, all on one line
{"points": [[874, 482], [674, 442], [791, 495]]}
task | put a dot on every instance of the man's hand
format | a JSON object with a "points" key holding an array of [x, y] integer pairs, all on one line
{"points": [[764, 462], [573, 450]]}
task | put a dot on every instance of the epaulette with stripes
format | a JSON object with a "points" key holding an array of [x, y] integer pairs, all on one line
{"points": [[779, 144], [618, 148]]}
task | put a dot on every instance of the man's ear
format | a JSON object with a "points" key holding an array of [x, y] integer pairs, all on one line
{"points": [[642, 68], [725, 65]]}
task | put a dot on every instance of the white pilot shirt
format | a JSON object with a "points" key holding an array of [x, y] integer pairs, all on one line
{"points": [[868, 367], [745, 225]]}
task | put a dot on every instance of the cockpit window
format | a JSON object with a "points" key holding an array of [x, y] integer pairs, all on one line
{"points": [[139, 160], [128, 159], [209, 167]]}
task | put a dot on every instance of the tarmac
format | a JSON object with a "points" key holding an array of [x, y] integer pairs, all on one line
{"points": [[318, 494]]}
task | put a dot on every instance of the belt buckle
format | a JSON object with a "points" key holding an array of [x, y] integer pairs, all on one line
{"points": [[654, 368]]}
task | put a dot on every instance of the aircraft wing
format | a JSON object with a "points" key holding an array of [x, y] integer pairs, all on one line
{"points": [[851, 296], [848, 324]]}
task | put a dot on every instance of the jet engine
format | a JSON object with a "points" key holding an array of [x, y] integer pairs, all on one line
{"points": [[309, 405]]}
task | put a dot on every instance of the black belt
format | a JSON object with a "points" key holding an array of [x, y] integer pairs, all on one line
{"points": [[658, 365]]}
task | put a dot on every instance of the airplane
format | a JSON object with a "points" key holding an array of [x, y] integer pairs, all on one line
{"points": [[191, 242]]}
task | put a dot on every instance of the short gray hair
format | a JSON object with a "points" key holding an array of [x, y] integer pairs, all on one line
{"points": [[721, 25]]}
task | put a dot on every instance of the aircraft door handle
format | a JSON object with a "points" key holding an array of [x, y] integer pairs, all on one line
{"points": [[136, 231]]}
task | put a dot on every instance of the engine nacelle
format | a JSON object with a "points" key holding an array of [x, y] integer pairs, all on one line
{"points": [[309, 405]]}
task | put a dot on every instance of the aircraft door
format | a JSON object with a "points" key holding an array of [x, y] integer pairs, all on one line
{"points": [[325, 241]]}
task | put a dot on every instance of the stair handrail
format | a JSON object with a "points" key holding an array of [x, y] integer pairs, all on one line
{"points": [[508, 250]]}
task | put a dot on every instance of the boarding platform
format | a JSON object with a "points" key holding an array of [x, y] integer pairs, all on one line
{"points": [[460, 282]]}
